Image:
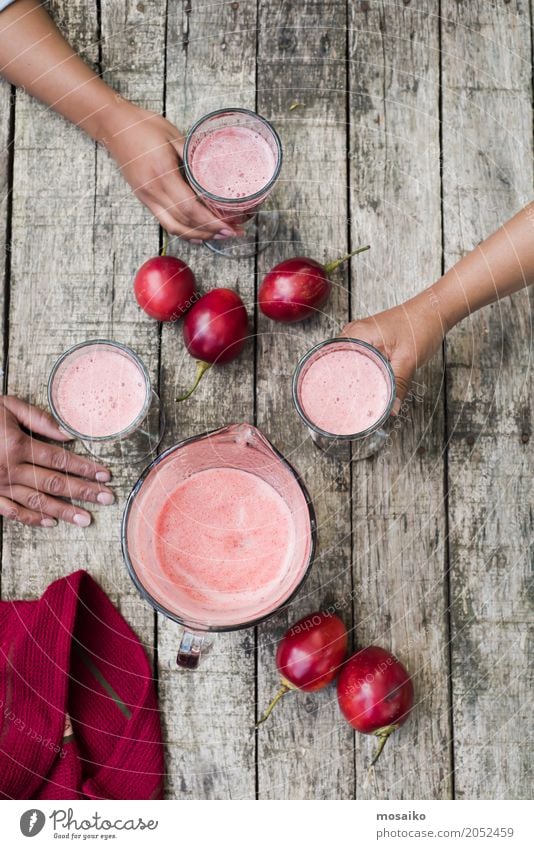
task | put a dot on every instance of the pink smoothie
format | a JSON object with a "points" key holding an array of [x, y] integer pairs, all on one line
{"points": [[343, 392], [233, 162], [98, 391], [225, 541]]}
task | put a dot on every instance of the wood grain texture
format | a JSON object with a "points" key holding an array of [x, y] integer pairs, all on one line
{"points": [[78, 237], [399, 521], [5, 229], [306, 750], [125, 234], [487, 148], [209, 714], [359, 167], [53, 288], [5, 188]]}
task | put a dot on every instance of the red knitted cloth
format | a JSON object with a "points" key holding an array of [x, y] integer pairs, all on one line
{"points": [[78, 711]]}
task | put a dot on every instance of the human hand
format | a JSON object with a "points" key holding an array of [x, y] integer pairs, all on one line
{"points": [[147, 148], [36, 476], [408, 335]]}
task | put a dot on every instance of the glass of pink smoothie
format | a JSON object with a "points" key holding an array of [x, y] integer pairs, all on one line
{"points": [[100, 392], [232, 159], [218, 533], [344, 390]]}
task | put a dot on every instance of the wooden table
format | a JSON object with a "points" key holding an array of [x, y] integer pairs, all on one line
{"points": [[413, 132]]}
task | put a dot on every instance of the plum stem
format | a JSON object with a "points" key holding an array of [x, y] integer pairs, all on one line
{"points": [[202, 368], [331, 266], [383, 735], [165, 243], [281, 692]]}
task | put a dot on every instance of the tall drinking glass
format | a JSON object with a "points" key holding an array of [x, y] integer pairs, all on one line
{"points": [[100, 392], [232, 159]]}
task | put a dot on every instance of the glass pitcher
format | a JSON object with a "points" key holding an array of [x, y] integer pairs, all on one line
{"points": [[240, 447]]}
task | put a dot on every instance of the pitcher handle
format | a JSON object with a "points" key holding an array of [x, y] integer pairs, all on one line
{"points": [[192, 646]]}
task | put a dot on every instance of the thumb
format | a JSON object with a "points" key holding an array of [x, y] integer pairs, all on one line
{"points": [[178, 145], [369, 330], [34, 419], [403, 379]]}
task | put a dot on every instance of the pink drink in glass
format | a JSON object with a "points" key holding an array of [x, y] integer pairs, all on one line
{"points": [[232, 159], [234, 163], [344, 390], [100, 392]]}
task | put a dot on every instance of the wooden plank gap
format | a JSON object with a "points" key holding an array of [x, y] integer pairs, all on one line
{"points": [[8, 97], [257, 707], [352, 542], [8, 211], [446, 544]]}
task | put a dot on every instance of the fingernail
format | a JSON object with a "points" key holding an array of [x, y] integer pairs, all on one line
{"points": [[65, 432], [105, 498], [396, 406], [197, 241], [82, 520], [224, 232], [220, 236], [48, 523], [103, 477]]}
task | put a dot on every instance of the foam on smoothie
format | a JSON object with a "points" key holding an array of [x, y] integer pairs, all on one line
{"points": [[225, 541], [233, 162], [343, 392], [99, 391]]}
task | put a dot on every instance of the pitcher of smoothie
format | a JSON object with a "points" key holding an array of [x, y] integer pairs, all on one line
{"points": [[218, 533], [344, 390], [232, 159]]}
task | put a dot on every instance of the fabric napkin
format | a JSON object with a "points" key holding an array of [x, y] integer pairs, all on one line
{"points": [[78, 711]]}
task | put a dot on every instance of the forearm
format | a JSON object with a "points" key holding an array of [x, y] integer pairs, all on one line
{"points": [[146, 147], [499, 266], [411, 333], [34, 54]]}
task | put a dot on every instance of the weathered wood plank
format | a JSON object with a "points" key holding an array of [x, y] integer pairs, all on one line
{"points": [[487, 133], [5, 231], [209, 713], [399, 515], [53, 195], [125, 234], [5, 129], [306, 751], [78, 237]]}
